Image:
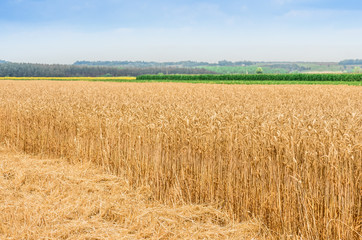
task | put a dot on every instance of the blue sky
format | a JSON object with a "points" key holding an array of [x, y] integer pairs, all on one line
{"points": [[63, 31]]}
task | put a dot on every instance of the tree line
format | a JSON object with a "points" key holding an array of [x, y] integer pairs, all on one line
{"points": [[56, 70], [143, 64], [351, 62]]}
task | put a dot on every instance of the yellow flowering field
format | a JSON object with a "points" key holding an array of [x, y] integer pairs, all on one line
{"points": [[69, 78]]}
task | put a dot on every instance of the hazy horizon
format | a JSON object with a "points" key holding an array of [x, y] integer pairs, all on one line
{"points": [[65, 31], [210, 62]]}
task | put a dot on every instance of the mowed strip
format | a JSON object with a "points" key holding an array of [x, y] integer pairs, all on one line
{"points": [[52, 199]]}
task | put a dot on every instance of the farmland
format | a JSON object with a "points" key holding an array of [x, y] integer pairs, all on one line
{"points": [[44, 198], [258, 77], [288, 157], [246, 79], [266, 79], [101, 79], [282, 67]]}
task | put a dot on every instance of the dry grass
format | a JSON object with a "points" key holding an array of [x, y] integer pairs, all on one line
{"points": [[289, 156], [52, 199]]}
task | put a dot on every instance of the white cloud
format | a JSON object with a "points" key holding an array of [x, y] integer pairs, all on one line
{"points": [[284, 2], [319, 13]]}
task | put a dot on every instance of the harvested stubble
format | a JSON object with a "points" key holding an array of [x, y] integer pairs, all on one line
{"points": [[289, 156], [52, 199]]}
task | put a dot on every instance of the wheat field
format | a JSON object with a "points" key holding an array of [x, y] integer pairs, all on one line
{"points": [[288, 157], [44, 198]]}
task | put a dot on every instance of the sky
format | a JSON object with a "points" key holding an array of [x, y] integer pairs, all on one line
{"points": [[65, 31]]}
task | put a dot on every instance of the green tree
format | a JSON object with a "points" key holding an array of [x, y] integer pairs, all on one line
{"points": [[107, 75], [357, 70], [259, 70]]}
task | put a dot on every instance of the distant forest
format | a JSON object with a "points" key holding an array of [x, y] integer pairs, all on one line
{"points": [[143, 64], [46, 70], [136, 68], [351, 62]]}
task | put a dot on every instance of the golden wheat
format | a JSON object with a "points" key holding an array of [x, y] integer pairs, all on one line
{"points": [[289, 156], [52, 199]]}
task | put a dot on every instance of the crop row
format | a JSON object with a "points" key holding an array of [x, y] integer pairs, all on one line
{"points": [[251, 77]]}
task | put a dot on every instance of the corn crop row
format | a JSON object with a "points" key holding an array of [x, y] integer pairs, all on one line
{"points": [[259, 77]]}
